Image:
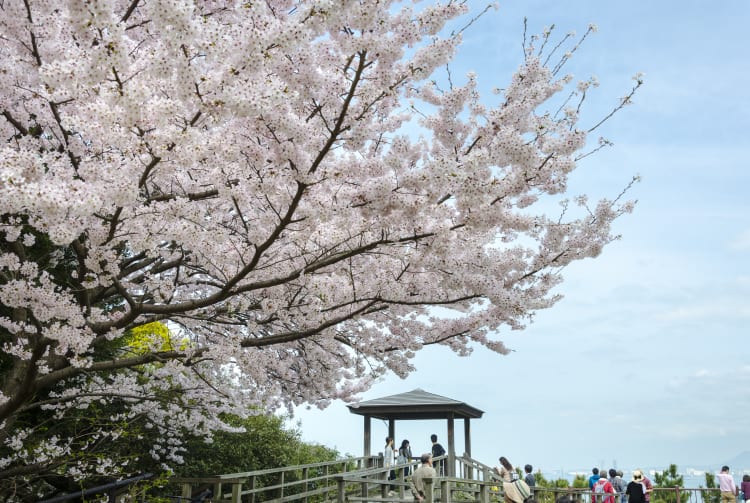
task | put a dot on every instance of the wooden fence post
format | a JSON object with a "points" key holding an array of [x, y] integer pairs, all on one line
{"points": [[341, 491], [236, 492], [484, 491], [445, 491], [429, 493], [364, 489], [305, 473], [252, 488], [187, 490]]}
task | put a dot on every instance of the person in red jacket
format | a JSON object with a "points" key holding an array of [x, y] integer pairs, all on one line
{"points": [[601, 488]]}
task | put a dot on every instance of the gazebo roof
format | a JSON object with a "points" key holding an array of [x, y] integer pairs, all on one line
{"points": [[415, 404]]}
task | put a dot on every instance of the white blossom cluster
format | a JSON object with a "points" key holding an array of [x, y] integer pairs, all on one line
{"points": [[242, 171]]}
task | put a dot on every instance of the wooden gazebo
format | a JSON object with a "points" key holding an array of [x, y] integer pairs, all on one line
{"points": [[415, 405]]}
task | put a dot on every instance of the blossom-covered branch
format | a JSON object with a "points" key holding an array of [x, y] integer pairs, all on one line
{"points": [[247, 176]]}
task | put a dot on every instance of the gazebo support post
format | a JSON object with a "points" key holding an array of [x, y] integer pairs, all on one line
{"points": [[467, 444], [451, 472], [368, 432]]}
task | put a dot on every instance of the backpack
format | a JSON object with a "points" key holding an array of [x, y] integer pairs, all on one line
{"points": [[599, 488], [523, 488]]}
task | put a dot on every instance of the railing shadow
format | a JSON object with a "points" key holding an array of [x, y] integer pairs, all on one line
{"points": [[111, 490]]}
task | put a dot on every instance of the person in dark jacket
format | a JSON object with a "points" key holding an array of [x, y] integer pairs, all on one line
{"points": [[636, 491], [437, 450]]}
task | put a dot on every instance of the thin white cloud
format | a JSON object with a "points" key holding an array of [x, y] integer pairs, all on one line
{"points": [[734, 309], [705, 402], [741, 242]]}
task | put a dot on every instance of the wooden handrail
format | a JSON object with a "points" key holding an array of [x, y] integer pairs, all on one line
{"points": [[354, 480], [208, 480]]}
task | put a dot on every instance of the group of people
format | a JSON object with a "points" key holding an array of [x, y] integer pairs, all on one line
{"points": [[403, 456], [604, 486], [401, 459], [601, 485], [506, 472], [640, 488]]}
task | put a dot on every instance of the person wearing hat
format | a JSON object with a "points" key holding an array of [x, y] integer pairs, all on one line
{"points": [[636, 491]]}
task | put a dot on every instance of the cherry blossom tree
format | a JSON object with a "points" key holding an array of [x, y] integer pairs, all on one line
{"points": [[283, 184]]}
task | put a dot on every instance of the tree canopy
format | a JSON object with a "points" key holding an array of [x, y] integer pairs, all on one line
{"points": [[265, 443], [248, 175]]}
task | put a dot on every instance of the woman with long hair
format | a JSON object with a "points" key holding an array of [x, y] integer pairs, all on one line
{"points": [[509, 475], [404, 456]]}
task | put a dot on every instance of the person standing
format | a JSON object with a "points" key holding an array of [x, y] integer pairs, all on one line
{"points": [[636, 491], [424, 471], [601, 487], [594, 477], [388, 458], [745, 487], [529, 478], [508, 476], [623, 496], [617, 483], [649, 488], [437, 450], [729, 490], [404, 456]]}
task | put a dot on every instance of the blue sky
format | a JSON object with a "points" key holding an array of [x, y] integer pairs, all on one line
{"points": [[645, 361]]}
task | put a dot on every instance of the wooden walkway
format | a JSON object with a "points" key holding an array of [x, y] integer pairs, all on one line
{"points": [[352, 479], [364, 479]]}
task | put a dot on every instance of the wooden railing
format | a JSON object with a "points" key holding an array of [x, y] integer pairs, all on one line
{"points": [[659, 495], [312, 482], [365, 479]]}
